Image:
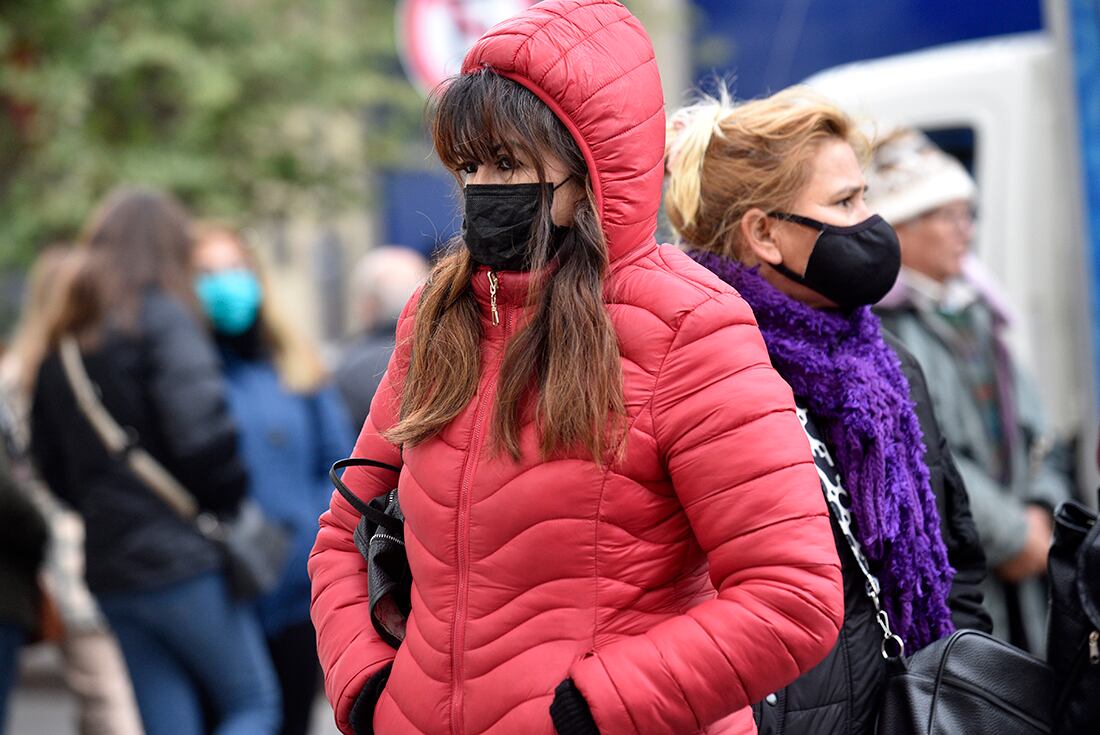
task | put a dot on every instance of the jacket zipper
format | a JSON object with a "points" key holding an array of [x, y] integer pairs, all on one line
{"points": [[458, 625], [1094, 647], [493, 298]]}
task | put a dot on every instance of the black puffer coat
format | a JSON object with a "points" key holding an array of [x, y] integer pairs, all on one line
{"points": [[163, 381], [841, 695]]}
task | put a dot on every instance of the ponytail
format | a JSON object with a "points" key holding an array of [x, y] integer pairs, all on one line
{"points": [[688, 136]]}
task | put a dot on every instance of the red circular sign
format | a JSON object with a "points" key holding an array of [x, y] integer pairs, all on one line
{"points": [[434, 35]]}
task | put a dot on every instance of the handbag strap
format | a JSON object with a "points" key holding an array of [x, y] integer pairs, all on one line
{"points": [[118, 441], [394, 525], [835, 493]]}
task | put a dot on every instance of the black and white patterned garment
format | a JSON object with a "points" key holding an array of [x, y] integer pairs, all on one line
{"points": [[840, 502]]}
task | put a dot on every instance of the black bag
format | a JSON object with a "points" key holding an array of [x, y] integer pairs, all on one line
{"points": [[254, 548], [380, 538], [968, 682], [1073, 628]]}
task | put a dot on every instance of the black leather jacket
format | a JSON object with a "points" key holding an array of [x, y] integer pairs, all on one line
{"points": [[841, 695], [163, 381]]}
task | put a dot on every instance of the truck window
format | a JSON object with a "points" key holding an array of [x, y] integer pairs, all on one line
{"points": [[959, 142]]}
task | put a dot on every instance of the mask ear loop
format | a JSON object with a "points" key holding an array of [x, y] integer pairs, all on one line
{"points": [[797, 219]]}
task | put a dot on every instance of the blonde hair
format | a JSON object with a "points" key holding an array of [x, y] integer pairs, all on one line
{"points": [[296, 359], [61, 297], [724, 159]]}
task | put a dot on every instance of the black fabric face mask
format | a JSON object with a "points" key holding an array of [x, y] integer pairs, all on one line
{"points": [[498, 223], [851, 266]]}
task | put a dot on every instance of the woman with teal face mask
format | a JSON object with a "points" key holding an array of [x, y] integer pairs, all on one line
{"points": [[231, 299], [292, 428]]}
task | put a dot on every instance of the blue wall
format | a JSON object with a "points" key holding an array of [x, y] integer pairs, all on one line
{"points": [[419, 208], [1085, 22], [770, 44]]}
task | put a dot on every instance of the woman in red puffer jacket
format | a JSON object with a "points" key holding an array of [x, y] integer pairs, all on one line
{"points": [[612, 517]]}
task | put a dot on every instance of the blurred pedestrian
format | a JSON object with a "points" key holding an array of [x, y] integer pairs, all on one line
{"points": [[382, 283], [92, 664], [191, 649], [769, 196], [23, 536], [607, 494], [955, 324], [292, 428]]}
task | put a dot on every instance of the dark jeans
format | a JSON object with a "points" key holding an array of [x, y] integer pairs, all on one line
{"points": [[11, 641], [294, 654], [189, 644]]}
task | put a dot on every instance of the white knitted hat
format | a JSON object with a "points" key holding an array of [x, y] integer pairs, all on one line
{"points": [[909, 175]]}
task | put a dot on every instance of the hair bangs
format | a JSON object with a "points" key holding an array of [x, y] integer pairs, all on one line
{"points": [[482, 116]]}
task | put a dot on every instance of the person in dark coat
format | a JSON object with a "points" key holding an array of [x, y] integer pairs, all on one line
{"points": [[292, 427], [23, 536], [382, 283], [193, 651], [769, 197]]}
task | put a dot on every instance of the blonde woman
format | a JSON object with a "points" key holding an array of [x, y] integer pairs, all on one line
{"points": [[768, 195], [292, 428]]}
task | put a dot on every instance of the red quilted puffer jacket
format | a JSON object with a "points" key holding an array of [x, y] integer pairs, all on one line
{"points": [[676, 588]]}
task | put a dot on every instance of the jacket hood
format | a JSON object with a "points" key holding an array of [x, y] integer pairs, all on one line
{"points": [[592, 63]]}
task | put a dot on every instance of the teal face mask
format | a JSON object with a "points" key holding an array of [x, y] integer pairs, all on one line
{"points": [[231, 299]]}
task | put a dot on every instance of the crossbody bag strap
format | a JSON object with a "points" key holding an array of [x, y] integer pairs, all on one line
{"points": [[833, 487], [117, 441]]}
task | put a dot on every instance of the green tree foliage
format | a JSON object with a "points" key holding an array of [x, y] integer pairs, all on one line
{"points": [[245, 108]]}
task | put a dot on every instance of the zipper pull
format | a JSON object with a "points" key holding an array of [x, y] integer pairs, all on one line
{"points": [[1094, 647], [493, 298]]}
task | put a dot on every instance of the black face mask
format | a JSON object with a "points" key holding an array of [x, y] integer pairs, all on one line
{"points": [[851, 266], [498, 223]]}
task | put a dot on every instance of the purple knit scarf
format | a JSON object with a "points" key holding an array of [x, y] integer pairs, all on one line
{"points": [[851, 382]]}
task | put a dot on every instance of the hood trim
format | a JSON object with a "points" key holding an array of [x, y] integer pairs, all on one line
{"points": [[567, 121]]}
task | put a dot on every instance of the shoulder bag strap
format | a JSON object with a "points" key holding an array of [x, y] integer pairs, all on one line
{"points": [[152, 474], [833, 487]]}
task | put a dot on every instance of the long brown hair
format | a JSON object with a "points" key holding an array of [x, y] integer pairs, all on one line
{"points": [[567, 354], [296, 359], [142, 239], [136, 240]]}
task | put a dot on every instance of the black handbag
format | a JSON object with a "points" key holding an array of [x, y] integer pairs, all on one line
{"points": [[254, 547], [1073, 627], [968, 683], [380, 538]]}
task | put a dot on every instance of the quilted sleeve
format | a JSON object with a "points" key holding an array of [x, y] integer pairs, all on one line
{"points": [[349, 648], [740, 464]]}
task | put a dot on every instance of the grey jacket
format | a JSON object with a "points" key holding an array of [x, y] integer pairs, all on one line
{"points": [[998, 506]]}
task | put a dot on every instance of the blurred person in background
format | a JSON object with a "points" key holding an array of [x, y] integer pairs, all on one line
{"points": [[192, 650], [768, 195], [382, 282], [607, 493], [948, 314], [92, 664], [23, 537], [292, 428]]}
